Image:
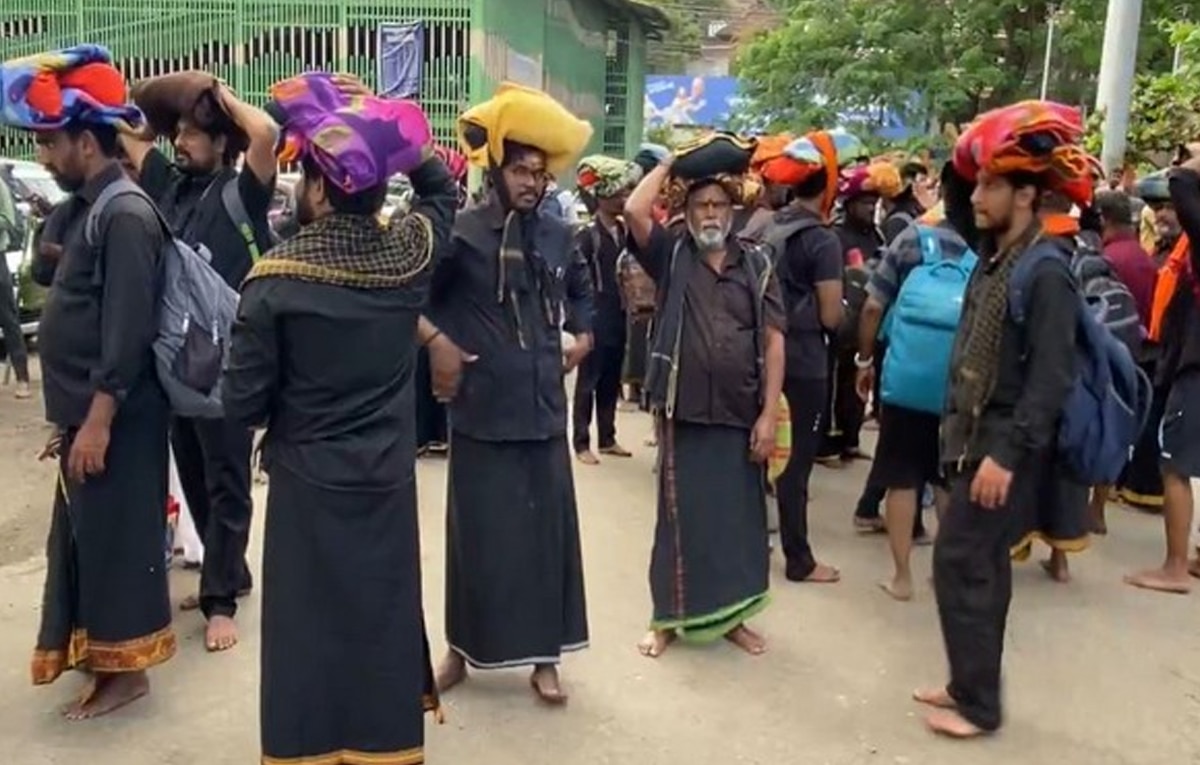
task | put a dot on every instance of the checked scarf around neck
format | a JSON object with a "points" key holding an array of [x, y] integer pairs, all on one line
{"points": [[353, 251], [974, 378]]}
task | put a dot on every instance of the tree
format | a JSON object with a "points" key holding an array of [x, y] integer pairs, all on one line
{"points": [[689, 24], [931, 61], [1165, 111]]}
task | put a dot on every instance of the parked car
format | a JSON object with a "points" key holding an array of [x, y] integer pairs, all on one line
{"points": [[27, 181]]}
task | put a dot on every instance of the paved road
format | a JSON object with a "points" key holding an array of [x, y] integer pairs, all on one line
{"points": [[1097, 673]]}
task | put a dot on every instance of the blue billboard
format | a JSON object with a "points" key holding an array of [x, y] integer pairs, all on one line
{"points": [[709, 102], [679, 100]]}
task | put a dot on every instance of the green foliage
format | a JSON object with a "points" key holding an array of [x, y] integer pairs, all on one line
{"points": [[932, 61], [1165, 111]]}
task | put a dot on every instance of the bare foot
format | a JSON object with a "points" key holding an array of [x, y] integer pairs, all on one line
{"points": [[1098, 525], [544, 681], [655, 643], [899, 588], [190, 603], [85, 695], [1057, 568], [948, 722], [23, 392], [112, 692], [651, 440], [747, 639], [451, 672], [822, 574], [934, 697], [587, 458], [616, 450], [1161, 580], [923, 540], [221, 634], [1194, 567]]}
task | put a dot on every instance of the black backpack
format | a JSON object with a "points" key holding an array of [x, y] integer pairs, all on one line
{"points": [[1108, 297]]}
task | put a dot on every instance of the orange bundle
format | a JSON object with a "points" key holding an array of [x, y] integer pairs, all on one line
{"points": [[1037, 137]]}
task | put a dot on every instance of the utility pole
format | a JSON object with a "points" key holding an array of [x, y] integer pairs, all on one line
{"points": [[1118, 63], [1051, 20]]}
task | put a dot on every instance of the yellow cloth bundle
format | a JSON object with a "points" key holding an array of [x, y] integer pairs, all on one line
{"points": [[524, 115], [782, 454]]}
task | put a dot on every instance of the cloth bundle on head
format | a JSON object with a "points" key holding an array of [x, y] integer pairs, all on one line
{"points": [[455, 162], [605, 177], [650, 156], [718, 158], [190, 95], [817, 152], [526, 116], [49, 90], [357, 141], [879, 178], [1036, 137], [770, 147]]}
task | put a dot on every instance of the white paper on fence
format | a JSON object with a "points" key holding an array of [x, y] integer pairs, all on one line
{"points": [[185, 533]]}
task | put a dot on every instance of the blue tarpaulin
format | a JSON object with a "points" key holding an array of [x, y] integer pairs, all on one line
{"points": [[401, 54]]}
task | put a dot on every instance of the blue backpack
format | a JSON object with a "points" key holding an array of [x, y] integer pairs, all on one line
{"points": [[1109, 402], [921, 326]]}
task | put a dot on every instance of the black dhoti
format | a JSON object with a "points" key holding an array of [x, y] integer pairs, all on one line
{"points": [[514, 569]]}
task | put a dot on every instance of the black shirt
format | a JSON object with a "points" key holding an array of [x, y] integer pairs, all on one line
{"points": [[1181, 325], [601, 250], [1036, 367], [192, 205], [101, 313], [510, 393], [811, 256], [718, 382]]}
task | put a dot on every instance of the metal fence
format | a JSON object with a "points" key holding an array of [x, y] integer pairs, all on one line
{"points": [[584, 52]]}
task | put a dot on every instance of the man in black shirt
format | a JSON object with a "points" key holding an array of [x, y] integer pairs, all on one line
{"points": [[1008, 382], [715, 379], [810, 275], [106, 607], [213, 456], [1175, 325], [604, 183]]}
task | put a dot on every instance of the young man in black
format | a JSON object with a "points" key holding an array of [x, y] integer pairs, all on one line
{"points": [[1007, 386], [213, 456]]}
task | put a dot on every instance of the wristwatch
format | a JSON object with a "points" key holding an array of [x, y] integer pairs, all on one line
{"points": [[862, 363]]}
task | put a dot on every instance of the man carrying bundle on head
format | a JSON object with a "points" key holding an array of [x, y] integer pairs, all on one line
{"points": [[1010, 440], [715, 381], [514, 569], [604, 184], [105, 609], [323, 356], [209, 202]]}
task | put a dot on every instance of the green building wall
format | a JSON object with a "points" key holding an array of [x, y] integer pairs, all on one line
{"points": [[587, 53]]}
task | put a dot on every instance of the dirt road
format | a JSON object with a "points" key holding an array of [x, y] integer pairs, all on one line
{"points": [[1097, 673]]}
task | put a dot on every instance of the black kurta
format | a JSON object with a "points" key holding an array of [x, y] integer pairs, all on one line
{"points": [[329, 371], [106, 606], [514, 572]]}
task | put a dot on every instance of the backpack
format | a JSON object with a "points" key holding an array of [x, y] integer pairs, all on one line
{"points": [[921, 327], [1108, 297], [196, 313], [772, 243], [639, 293], [1109, 403], [231, 200]]}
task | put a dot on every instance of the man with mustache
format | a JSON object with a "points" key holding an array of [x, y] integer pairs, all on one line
{"points": [[714, 382], [514, 570], [105, 608], [200, 196]]}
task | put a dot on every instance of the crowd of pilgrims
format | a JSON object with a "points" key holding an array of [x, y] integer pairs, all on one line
{"points": [[735, 288]]}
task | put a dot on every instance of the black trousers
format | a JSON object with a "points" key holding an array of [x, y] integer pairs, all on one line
{"points": [[806, 400], [598, 387], [213, 458], [10, 325], [972, 578], [844, 410]]}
